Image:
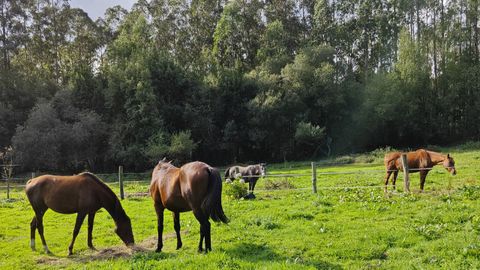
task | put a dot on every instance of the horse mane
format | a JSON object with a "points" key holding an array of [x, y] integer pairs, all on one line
{"points": [[103, 185]]}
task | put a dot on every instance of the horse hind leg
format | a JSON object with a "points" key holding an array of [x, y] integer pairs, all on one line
{"points": [[387, 176], [33, 227], [204, 231], [91, 218], [208, 239], [394, 180], [39, 217], [176, 226], [76, 230], [423, 176]]}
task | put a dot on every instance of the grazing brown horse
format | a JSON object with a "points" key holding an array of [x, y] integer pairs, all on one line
{"points": [[194, 187], [249, 174], [420, 161], [83, 194]]}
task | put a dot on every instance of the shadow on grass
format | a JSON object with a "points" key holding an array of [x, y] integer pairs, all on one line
{"points": [[258, 253]]}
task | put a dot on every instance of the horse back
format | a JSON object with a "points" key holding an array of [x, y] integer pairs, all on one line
{"points": [[180, 189], [420, 159], [64, 194]]}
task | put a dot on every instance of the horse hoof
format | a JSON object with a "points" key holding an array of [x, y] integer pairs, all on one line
{"points": [[179, 246], [92, 248], [158, 250]]}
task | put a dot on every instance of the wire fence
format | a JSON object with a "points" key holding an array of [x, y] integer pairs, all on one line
{"points": [[125, 179]]}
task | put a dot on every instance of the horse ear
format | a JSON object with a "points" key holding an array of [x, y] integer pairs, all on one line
{"points": [[448, 155], [170, 161]]}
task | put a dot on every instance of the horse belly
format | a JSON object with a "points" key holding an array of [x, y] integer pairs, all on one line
{"points": [[177, 204], [61, 205]]}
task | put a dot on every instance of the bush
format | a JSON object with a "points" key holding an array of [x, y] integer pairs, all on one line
{"points": [[235, 190]]}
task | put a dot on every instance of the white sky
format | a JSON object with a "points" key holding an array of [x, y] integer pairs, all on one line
{"points": [[96, 8]]}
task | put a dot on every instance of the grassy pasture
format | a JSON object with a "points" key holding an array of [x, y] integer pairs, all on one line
{"points": [[342, 228]]}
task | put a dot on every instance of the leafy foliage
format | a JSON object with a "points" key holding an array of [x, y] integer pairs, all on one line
{"points": [[234, 81]]}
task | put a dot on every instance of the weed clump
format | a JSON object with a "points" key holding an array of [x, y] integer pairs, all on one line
{"points": [[235, 190], [278, 184], [266, 223]]}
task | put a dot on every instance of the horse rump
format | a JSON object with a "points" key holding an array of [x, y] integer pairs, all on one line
{"points": [[212, 205]]}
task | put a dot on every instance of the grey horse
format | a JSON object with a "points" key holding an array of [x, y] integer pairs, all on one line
{"points": [[249, 174]]}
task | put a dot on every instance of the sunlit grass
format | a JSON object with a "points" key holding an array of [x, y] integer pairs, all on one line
{"points": [[290, 228]]}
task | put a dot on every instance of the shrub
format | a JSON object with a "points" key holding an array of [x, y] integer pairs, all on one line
{"points": [[235, 190]]}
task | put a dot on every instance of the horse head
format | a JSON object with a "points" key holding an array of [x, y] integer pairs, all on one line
{"points": [[164, 161], [124, 228], [449, 164], [263, 169]]}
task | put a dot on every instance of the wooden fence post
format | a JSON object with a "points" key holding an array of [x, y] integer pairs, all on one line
{"points": [[8, 187], [406, 176], [120, 181], [314, 177]]}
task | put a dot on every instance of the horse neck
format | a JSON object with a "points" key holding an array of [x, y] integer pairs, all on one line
{"points": [[436, 158], [113, 207]]}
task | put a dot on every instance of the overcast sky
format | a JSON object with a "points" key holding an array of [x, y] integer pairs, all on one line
{"points": [[96, 8]]}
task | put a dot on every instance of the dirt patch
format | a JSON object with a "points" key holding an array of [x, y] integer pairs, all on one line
{"points": [[151, 242], [51, 260], [147, 245]]}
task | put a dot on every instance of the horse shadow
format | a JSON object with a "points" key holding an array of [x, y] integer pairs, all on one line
{"points": [[257, 253]]}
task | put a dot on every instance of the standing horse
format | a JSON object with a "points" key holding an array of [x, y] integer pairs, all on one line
{"points": [[420, 161], [194, 187], [82, 194], [249, 174]]}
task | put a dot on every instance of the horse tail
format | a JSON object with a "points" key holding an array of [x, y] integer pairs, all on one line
{"points": [[390, 159], [212, 205]]}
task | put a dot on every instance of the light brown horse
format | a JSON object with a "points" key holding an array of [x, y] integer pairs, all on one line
{"points": [[194, 187], [82, 194], [420, 161]]}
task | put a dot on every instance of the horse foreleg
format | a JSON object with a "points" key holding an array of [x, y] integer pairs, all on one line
{"points": [[91, 217], [76, 230], [33, 227], [159, 209], [176, 226], [254, 182]]}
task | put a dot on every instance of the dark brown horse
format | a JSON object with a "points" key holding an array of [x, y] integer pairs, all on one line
{"points": [[83, 194], [420, 161], [194, 187], [249, 174]]}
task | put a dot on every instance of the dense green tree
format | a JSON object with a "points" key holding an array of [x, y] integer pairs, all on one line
{"points": [[233, 81], [236, 38]]}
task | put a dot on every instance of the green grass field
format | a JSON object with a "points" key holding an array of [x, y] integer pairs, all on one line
{"points": [[338, 228]]}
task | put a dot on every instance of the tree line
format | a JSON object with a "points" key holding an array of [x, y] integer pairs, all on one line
{"points": [[233, 81]]}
